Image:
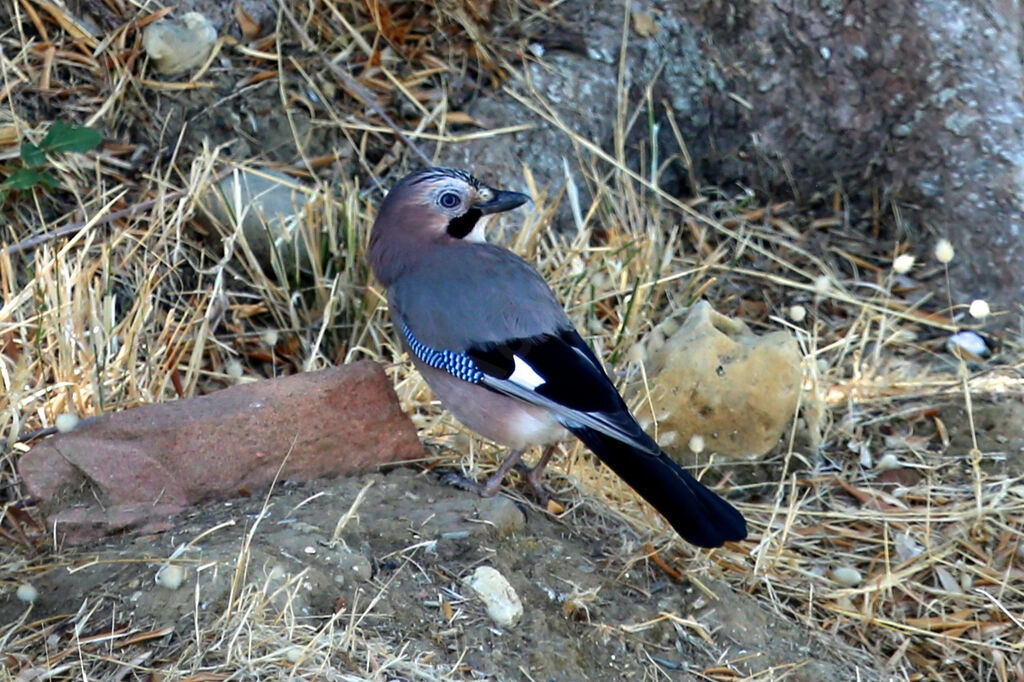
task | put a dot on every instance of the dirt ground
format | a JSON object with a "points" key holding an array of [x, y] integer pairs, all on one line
{"points": [[595, 608]]}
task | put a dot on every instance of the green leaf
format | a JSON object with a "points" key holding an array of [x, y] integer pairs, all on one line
{"points": [[32, 155], [48, 181], [66, 137], [27, 178]]}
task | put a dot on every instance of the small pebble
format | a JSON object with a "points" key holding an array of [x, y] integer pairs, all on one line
{"points": [[500, 598], [170, 576], [27, 593], [887, 463], [968, 344], [293, 654], [846, 576], [177, 45], [504, 516]]}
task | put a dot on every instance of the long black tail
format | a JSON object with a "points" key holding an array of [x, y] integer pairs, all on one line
{"points": [[699, 516]]}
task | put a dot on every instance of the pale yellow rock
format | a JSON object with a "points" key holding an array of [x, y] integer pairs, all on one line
{"points": [[715, 380]]}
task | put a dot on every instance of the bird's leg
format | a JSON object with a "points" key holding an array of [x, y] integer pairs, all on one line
{"points": [[493, 484], [513, 460], [534, 475]]}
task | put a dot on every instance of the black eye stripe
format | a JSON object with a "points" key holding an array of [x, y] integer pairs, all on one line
{"points": [[462, 225]]}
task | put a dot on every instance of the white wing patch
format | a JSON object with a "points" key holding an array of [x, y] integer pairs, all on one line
{"points": [[524, 375]]}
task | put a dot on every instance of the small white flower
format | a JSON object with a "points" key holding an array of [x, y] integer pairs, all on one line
{"points": [[66, 422], [697, 444], [903, 263], [846, 576], [233, 369], [797, 313], [979, 309], [822, 284], [944, 251]]}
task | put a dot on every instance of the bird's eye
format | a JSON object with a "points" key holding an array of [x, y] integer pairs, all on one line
{"points": [[449, 200]]}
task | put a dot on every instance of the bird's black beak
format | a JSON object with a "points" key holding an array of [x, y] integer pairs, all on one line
{"points": [[502, 201]]}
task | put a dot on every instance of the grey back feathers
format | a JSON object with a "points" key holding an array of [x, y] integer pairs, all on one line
{"points": [[470, 294]]}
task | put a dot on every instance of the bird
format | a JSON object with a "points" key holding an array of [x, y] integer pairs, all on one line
{"points": [[498, 350]]}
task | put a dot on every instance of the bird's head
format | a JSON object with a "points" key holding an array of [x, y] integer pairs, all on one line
{"points": [[431, 206]]}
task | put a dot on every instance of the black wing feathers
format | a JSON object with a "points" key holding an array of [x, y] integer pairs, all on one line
{"points": [[573, 377], [699, 515]]}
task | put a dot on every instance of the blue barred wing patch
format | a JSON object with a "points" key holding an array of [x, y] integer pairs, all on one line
{"points": [[458, 365]]}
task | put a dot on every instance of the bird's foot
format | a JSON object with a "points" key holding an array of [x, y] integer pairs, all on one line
{"points": [[463, 482], [532, 475], [534, 478]]}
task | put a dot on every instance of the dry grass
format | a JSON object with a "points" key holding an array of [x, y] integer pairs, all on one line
{"points": [[128, 306]]}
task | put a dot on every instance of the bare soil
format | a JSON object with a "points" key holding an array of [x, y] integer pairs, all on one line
{"points": [[595, 607]]}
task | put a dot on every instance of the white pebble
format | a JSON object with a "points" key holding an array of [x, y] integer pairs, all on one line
{"points": [[846, 576], [944, 251], [66, 422], [887, 463], [293, 654], [797, 313], [979, 309], [696, 444], [968, 342], [170, 576], [903, 263], [500, 598], [27, 593]]}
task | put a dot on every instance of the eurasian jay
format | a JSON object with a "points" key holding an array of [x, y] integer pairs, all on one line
{"points": [[498, 350]]}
